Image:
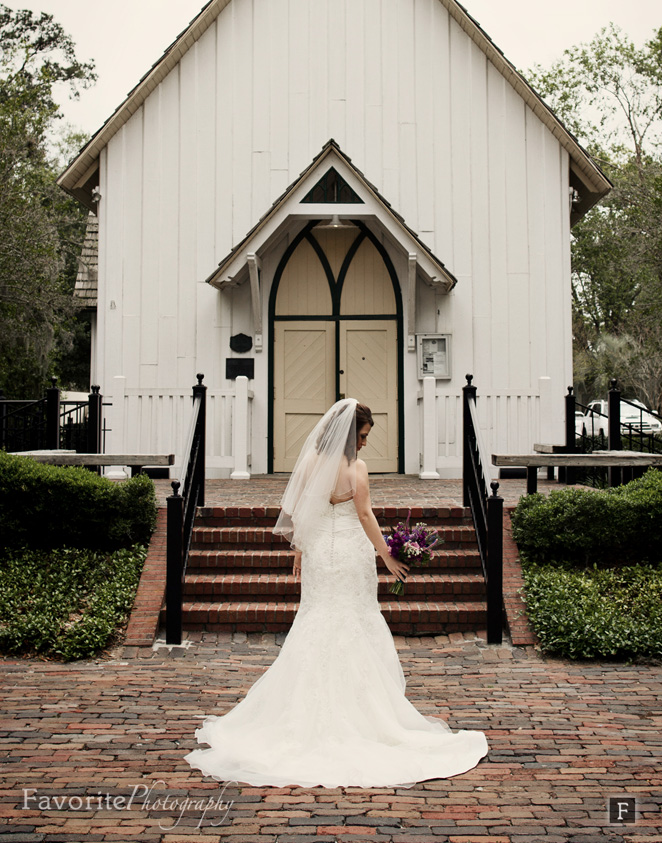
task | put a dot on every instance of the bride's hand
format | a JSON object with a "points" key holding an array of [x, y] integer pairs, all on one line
{"points": [[296, 568], [397, 568]]}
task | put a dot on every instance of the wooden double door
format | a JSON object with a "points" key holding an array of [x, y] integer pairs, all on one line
{"points": [[335, 335]]}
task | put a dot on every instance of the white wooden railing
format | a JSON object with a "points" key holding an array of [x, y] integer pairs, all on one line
{"points": [[241, 431], [509, 422], [157, 419]]}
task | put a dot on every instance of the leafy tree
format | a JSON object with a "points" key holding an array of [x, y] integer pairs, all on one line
{"points": [[609, 94], [41, 229]]}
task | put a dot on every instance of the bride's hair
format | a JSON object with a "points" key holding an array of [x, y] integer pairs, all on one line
{"points": [[362, 416]]}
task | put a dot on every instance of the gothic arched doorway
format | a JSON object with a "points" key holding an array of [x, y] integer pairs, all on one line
{"points": [[336, 329]]}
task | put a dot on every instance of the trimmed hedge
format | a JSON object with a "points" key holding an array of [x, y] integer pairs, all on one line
{"points": [[592, 564], [66, 604], [586, 526], [596, 613], [44, 506]]}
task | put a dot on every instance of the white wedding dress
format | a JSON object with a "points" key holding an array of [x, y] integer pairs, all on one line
{"points": [[331, 710]]}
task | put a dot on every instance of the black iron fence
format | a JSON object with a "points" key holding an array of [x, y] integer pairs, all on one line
{"points": [[51, 423], [181, 513], [614, 424], [486, 511]]}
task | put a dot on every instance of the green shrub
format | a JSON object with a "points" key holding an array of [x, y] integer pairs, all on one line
{"points": [[44, 506], [65, 603], [586, 526], [596, 613]]}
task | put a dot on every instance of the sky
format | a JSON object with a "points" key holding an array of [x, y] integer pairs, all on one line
{"points": [[125, 37]]}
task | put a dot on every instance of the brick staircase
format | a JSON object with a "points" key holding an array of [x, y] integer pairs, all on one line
{"points": [[239, 575]]}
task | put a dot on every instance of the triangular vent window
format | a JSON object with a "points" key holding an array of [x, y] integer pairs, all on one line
{"points": [[332, 188]]}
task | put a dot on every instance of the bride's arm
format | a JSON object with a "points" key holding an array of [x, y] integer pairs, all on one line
{"points": [[370, 525]]}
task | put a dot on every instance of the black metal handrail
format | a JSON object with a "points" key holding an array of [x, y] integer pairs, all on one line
{"points": [[181, 513], [22, 424], [636, 432], [51, 423], [486, 511], [74, 425], [618, 431]]}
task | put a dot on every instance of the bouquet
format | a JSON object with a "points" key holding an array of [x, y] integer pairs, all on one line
{"points": [[412, 545]]}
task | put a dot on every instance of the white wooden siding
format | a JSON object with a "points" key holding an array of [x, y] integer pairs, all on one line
{"points": [[417, 107]]}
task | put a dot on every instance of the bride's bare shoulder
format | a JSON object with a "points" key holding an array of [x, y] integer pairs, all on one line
{"points": [[361, 467]]}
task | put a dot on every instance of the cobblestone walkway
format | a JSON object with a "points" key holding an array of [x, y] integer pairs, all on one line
{"points": [[91, 747]]}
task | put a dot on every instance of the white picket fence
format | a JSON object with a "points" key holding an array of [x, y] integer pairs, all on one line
{"points": [[152, 420]]}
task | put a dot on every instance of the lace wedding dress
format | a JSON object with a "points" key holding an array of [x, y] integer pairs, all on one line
{"points": [[331, 710]]}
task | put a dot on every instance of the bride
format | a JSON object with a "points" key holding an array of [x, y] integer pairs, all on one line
{"points": [[331, 710]]}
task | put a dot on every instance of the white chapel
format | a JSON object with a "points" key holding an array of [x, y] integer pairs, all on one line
{"points": [[311, 199]]}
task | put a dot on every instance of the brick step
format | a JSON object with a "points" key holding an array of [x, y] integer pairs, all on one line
{"points": [[240, 561], [265, 587], [388, 516], [236, 538], [279, 561], [403, 618], [255, 538]]}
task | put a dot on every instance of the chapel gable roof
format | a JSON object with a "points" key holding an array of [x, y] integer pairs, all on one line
{"points": [[231, 269], [80, 178]]}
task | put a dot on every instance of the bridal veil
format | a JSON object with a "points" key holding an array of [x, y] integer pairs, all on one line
{"points": [[326, 466]]}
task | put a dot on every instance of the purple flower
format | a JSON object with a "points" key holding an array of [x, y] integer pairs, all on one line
{"points": [[411, 545]]}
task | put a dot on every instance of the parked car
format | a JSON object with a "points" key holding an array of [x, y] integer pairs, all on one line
{"points": [[580, 423], [633, 418]]}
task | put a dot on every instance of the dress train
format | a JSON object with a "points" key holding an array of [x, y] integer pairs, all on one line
{"points": [[331, 710]]}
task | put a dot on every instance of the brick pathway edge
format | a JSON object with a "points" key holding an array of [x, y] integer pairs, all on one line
{"points": [[519, 626], [144, 621]]}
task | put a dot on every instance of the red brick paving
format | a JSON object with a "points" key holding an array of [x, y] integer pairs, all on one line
{"points": [[385, 490], [563, 738]]}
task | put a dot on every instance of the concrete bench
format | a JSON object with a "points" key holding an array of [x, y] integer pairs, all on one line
{"points": [[597, 459], [136, 461]]}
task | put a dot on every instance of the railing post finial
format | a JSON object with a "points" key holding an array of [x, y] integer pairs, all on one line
{"points": [[570, 390], [613, 383], [494, 485], [200, 378], [469, 379], [175, 488]]}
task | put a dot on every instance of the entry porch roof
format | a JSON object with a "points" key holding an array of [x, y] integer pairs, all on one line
{"points": [[294, 207]]}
